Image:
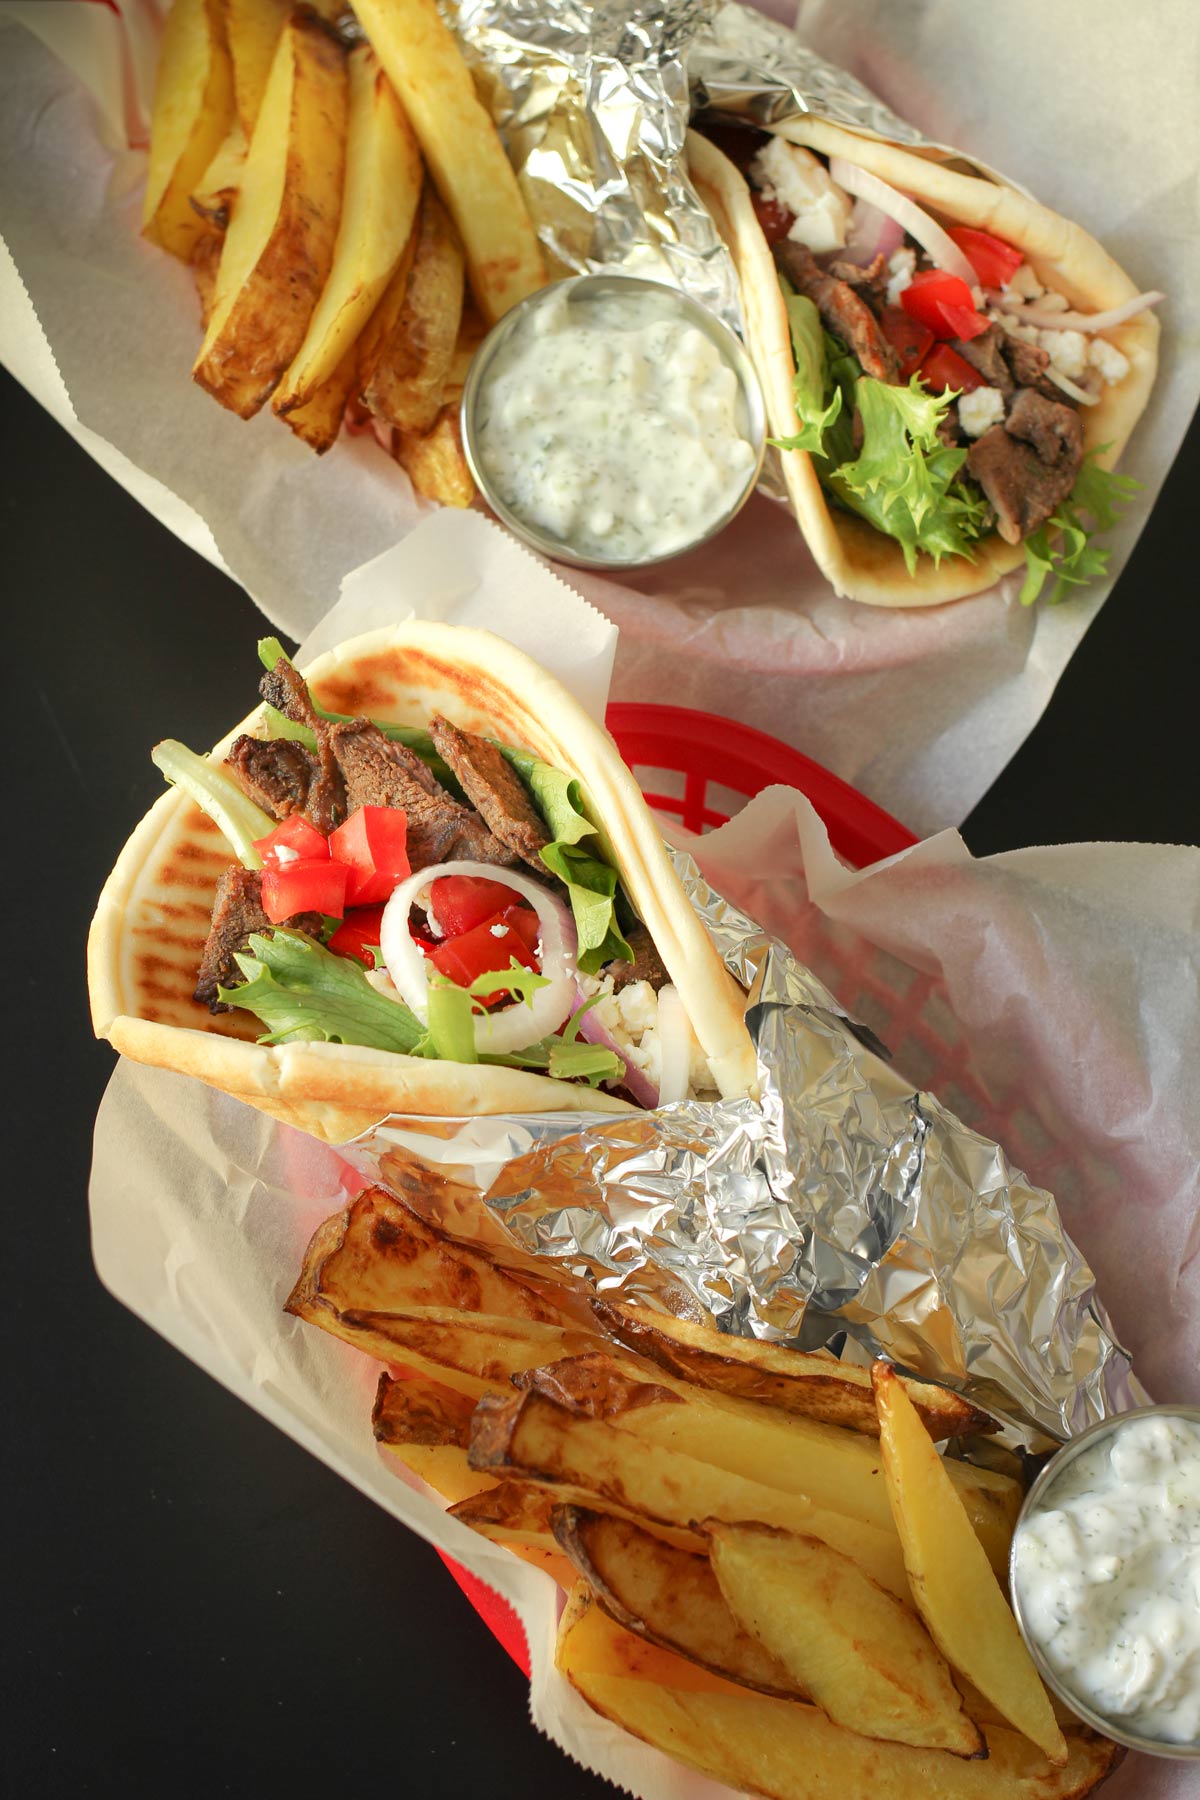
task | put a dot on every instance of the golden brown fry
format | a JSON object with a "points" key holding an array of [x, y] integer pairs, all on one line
{"points": [[252, 30], [816, 1387], [193, 111], [319, 420], [279, 244], [462, 149], [218, 187], [848, 1644], [204, 273], [518, 1516], [425, 1426], [785, 1750], [379, 206], [435, 463], [406, 350], [954, 1587], [667, 1595]]}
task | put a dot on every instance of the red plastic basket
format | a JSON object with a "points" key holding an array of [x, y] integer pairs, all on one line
{"points": [[711, 753]]}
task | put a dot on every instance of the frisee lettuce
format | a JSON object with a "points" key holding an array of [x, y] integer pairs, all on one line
{"points": [[1062, 547], [230, 810], [810, 383], [591, 882], [305, 993]]}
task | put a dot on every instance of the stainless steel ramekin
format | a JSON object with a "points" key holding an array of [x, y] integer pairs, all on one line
{"points": [[584, 288], [1036, 1500]]}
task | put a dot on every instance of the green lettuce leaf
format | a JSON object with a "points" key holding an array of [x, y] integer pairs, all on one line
{"points": [[590, 881], [810, 382], [303, 992], [233, 812], [1063, 547]]}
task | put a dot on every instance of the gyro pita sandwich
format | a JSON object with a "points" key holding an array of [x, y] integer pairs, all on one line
{"points": [[952, 369], [419, 880]]}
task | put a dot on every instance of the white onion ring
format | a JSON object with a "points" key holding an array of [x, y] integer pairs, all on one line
{"points": [[517, 1026], [1069, 387], [871, 233], [936, 243], [635, 1080], [1032, 314], [674, 1047]]}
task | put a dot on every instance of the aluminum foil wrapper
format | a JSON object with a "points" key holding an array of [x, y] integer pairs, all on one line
{"points": [[843, 1210]]}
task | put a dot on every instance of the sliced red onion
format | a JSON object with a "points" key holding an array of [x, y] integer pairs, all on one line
{"points": [[1069, 387], [1032, 314], [636, 1081], [674, 1047], [936, 243], [871, 233], [514, 1027]]}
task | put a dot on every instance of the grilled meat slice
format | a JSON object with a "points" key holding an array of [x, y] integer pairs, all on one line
{"points": [[1029, 363], [493, 785], [377, 772], [1054, 429], [844, 311], [237, 911], [276, 773], [1027, 471], [872, 277], [984, 353], [284, 688], [647, 964]]}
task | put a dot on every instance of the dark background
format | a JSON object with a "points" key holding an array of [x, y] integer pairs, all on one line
{"points": [[194, 1605]]}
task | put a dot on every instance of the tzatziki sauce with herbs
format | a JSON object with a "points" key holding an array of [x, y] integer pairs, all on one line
{"points": [[1107, 1573], [614, 425]]}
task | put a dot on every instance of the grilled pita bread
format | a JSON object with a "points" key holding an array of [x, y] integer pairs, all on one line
{"points": [[860, 562], [153, 916]]}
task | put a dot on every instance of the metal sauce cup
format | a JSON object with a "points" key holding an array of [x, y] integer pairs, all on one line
{"points": [[582, 289], [1040, 1498]]}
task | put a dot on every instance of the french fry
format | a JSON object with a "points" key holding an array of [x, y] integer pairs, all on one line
{"points": [[477, 1355], [543, 1434], [279, 244], [517, 1516], [955, 1589], [847, 1644], [204, 273], [666, 1595], [425, 1427], [407, 349], [193, 111], [815, 1386], [218, 187], [318, 421], [379, 205], [253, 29], [785, 1750], [461, 147], [434, 462]]}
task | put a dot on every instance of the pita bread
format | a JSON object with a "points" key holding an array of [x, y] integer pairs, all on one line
{"points": [[860, 562], [153, 915]]}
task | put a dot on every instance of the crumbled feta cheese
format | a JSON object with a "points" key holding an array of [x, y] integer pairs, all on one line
{"points": [[804, 185], [1028, 334], [1067, 350], [1024, 285], [630, 1017], [978, 411], [1110, 361], [638, 1006], [902, 265], [497, 930], [284, 854], [1052, 302]]}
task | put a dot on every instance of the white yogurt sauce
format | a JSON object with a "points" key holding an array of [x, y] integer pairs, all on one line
{"points": [[614, 425], [1107, 1573]]}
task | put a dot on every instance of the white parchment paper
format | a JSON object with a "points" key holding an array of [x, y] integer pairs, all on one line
{"points": [[1049, 996], [919, 709]]}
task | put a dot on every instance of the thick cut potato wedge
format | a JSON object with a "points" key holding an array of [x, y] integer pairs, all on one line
{"points": [[461, 147], [543, 1434], [193, 112], [379, 207], [848, 1644], [955, 1590], [783, 1749], [279, 244], [838, 1470], [668, 1596], [218, 187], [475, 1356], [379, 1256], [435, 463], [204, 273], [253, 29], [425, 1427], [407, 350], [814, 1386], [517, 1516], [319, 420]]}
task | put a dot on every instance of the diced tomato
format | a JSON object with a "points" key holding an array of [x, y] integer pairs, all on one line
{"points": [[373, 846], [944, 303], [525, 923], [944, 368], [458, 903], [492, 945], [772, 215], [994, 261], [309, 885], [358, 935], [295, 838], [908, 338]]}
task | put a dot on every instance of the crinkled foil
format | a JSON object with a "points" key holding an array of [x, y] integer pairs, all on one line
{"points": [[843, 1210]]}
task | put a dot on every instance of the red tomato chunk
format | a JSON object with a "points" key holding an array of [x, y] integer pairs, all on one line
{"points": [[493, 945], [994, 261], [358, 935], [308, 885], [944, 303], [908, 338], [460, 902], [372, 844], [944, 368], [773, 216], [294, 838]]}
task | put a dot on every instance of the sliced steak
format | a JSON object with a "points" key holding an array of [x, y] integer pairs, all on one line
{"points": [[844, 311], [493, 785], [1027, 473], [1029, 363], [872, 277], [284, 688], [984, 354], [276, 773], [377, 772], [647, 964], [237, 912]]}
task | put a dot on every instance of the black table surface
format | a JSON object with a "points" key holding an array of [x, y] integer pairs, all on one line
{"points": [[193, 1601]]}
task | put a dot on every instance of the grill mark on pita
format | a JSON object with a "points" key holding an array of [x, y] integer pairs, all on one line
{"points": [[182, 878]]}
